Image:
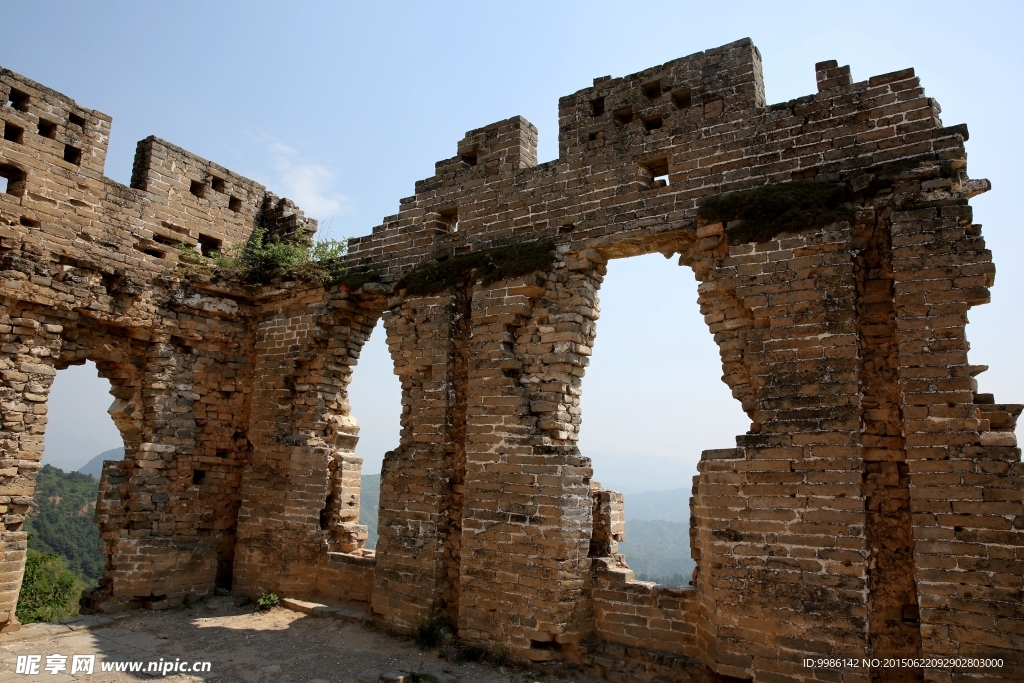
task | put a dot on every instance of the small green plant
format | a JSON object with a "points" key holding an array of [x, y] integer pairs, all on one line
{"points": [[266, 257], [48, 589], [267, 600], [430, 634]]}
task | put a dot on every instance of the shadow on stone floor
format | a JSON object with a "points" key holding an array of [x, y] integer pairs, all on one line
{"points": [[241, 645]]}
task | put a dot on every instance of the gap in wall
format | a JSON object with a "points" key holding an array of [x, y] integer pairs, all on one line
{"points": [[653, 400], [79, 436], [375, 396], [78, 426]]}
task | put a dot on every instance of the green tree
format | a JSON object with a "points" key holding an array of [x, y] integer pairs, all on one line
{"points": [[48, 590]]}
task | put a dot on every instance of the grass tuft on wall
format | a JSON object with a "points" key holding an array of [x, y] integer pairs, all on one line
{"points": [[485, 266], [763, 212]]}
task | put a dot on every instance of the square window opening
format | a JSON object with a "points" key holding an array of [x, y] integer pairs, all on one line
{"points": [[77, 120], [47, 129], [197, 188], [13, 133], [218, 185], [681, 98], [652, 90], [72, 155], [18, 100], [470, 157], [652, 123], [597, 106], [657, 171], [598, 135], [235, 204], [12, 180], [198, 476], [449, 218], [208, 245], [624, 116]]}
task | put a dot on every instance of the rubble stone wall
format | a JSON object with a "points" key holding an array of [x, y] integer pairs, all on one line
{"points": [[873, 509]]}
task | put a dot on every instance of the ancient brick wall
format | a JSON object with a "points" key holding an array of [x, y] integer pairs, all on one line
{"points": [[873, 509]]}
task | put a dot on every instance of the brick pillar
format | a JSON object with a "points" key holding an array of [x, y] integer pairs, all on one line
{"points": [[30, 346], [294, 505], [153, 505], [419, 545], [527, 512], [779, 521], [966, 476]]}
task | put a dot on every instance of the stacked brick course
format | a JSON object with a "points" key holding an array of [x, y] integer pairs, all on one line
{"points": [[873, 509]]}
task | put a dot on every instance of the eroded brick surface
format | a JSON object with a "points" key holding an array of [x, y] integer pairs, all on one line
{"points": [[873, 509]]}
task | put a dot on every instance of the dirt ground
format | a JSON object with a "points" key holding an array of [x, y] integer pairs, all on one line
{"points": [[248, 646]]}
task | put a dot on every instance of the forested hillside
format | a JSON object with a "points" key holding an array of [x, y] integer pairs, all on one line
{"points": [[61, 520], [658, 550]]}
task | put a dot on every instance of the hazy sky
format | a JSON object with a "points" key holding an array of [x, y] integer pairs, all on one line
{"points": [[343, 106]]}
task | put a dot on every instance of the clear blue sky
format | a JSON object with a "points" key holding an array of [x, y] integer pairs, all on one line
{"points": [[343, 106]]}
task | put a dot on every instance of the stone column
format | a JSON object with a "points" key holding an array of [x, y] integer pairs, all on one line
{"points": [[965, 470], [294, 504], [30, 344], [527, 511], [422, 481], [779, 521], [153, 505]]}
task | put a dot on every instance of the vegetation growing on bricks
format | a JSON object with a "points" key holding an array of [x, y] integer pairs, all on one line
{"points": [[763, 212], [486, 266]]}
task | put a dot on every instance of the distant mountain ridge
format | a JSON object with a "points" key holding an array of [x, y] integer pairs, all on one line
{"points": [[658, 551], [671, 506], [95, 466]]}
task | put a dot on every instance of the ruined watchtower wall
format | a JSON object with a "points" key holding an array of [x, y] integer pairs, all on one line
{"points": [[873, 508]]}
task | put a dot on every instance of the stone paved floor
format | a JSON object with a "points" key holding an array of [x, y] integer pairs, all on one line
{"points": [[246, 646]]}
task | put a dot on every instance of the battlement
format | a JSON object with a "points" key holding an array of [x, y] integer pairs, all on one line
{"points": [[186, 191], [52, 160], [707, 88], [43, 127]]}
